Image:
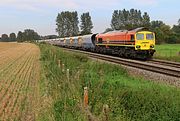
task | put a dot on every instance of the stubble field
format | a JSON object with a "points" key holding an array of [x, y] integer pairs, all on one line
{"points": [[19, 75]]}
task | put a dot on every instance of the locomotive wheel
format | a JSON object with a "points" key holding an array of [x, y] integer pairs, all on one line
{"points": [[127, 53], [121, 53]]}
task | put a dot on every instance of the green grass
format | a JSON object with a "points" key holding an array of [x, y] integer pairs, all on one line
{"points": [[129, 98], [168, 52]]}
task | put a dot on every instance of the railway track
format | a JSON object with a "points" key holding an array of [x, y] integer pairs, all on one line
{"points": [[159, 66], [166, 63]]}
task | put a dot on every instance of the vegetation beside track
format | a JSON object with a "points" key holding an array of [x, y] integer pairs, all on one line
{"points": [[128, 98], [168, 52]]}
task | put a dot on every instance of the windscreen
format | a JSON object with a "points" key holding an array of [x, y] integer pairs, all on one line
{"points": [[140, 36], [149, 36]]}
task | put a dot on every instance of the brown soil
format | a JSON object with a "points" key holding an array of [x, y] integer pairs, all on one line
{"points": [[19, 76]]}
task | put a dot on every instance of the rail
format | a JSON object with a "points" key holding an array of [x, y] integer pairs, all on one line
{"points": [[159, 66]]}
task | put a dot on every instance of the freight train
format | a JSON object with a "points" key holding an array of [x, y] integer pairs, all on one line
{"points": [[138, 43]]}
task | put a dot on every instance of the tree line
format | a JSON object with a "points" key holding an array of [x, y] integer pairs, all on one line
{"points": [[133, 18], [129, 19], [27, 35], [10, 38], [68, 24], [164, 33]]}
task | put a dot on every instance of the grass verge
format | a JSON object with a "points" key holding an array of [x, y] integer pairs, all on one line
{"points": [[128, 98], [169, 52]]}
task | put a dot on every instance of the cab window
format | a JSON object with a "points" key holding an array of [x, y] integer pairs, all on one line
{"points": [[100, 40], [149, 37], [132, 37], [140, 36]]}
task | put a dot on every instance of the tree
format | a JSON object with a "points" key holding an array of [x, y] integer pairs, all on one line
{"points": [[67, 24], [108, 30], [163, 32], [125, 15], [159, 35], [132, 19], [140, 18], [20, 37], [12, 37], [166, 29], [176, 31], [156, 24], [124, 19], [115, 20], [60, 25], [4, 38], [179, 22], [28, 35], [75, 22], [86, 24], [146, 20], [172, 39], [176, 28], [50, 37]]}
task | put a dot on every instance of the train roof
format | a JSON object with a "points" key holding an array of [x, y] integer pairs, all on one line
{"points": [[122, 32], [87, 36]]}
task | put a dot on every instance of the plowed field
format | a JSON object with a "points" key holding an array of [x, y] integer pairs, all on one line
{"points": [[19, 75]]}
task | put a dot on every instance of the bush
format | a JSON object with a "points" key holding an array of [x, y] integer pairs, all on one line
{"points": [[172, 39]]}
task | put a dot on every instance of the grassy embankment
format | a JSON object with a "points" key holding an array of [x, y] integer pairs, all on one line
{"points": [[128, 98], [168, 52]]}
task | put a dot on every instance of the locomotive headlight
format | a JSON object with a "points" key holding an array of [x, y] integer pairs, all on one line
{"points": [[151, 46], [138, 46]]}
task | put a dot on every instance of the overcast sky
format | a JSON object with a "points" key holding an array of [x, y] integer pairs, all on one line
{"points": [[40, 15]]}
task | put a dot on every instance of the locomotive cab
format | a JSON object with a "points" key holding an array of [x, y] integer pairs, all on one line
{"points": [[144, 40]]}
